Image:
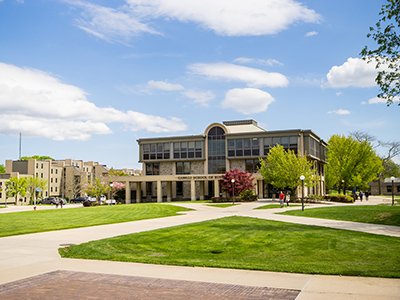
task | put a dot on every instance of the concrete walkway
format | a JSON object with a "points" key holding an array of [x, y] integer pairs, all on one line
{"points": [[34, 254]]}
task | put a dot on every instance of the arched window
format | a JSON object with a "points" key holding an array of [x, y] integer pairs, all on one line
{"points": [[216, 151]]}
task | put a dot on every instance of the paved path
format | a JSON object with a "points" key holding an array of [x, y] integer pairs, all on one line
{"points": [[36, 254]]}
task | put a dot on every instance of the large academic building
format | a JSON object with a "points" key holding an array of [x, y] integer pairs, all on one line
{"points": [[188, 167]]}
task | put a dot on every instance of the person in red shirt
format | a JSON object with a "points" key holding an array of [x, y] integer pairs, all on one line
{"points": [[281, 198]]}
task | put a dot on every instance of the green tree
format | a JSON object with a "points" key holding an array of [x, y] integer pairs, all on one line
{"points": [[386, 56], [2, 169], [16, 186], [283, 169], [113, 173], [34, 183], [96, 188], [37, 157], [351, 163], [391, 150]]}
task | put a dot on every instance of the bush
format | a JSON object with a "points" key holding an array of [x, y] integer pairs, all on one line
{"points": [[246, 195], [340, 198]]}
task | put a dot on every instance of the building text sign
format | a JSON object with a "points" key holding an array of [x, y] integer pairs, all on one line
{"points": [[200, 177]]}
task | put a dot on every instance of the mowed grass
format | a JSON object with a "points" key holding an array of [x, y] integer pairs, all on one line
{"points": [[256, 244], [374, 214], [271, 206], [56, 219]]}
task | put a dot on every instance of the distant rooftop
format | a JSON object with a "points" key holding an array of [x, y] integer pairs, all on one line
{"points": [[243, 126]]}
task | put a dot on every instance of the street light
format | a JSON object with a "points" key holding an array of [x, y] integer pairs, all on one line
{"points": [[302, 192], [392, 179], [233, 190]]}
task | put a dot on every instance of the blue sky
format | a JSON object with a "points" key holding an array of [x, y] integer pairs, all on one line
{"points": [[86, 79]]}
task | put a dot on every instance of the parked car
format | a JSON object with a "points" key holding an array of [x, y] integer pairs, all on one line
{"points": [[51, 200], [80, 199]]}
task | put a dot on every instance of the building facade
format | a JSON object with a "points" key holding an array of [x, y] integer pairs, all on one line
{"points": [[387, 187], [65, 178], [188, 167]]}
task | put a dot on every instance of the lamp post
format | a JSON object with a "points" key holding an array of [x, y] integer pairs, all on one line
{"points": [[392, 179], [302, 192], [233, 190]]}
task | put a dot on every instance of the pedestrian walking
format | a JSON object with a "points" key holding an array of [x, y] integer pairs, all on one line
{"points": [[287, 199], [281, 198], [361, 195], [61, 202], [57, 201], [366, 195]]}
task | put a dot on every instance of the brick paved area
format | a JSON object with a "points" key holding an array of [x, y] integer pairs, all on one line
{"points": [[77, 285]]}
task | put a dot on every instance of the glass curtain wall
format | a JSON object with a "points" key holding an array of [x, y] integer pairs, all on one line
{"points": [[216, 151]]}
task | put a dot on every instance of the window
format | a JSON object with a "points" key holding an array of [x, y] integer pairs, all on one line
{"points": [[41, 175], [51, 171], [56, 180], [41, 166], [398, 188], [287, 142], [199, 149], [314, 147], [153, 169], [51, 180], [293, 144], [156, 151], [243, 147], [183, 167], [188, 149], [252, 165], [389, 188], [191, 150], [56, 171], [216, 151]]}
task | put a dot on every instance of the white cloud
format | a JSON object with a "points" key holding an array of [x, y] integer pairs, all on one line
{"points": [[230, 72], [201, 97], [164, 86], [311, 33], [339, 93], [354, 72], [247, 101], [339, 112], [39, 104], [265, 62], [377, 100], [230, 17], [224, 17], [112, 25]]}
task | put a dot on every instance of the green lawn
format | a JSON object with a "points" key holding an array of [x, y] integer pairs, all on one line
{"points": [[56, 219], [256, 244], [270, 206], [374, 214]]}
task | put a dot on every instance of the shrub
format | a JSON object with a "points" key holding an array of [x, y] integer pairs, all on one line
{"points": [[230, 199], [246, 194], [340, 198]]}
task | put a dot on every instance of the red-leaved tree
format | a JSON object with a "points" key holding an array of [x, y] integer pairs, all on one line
{"points": [[243, 182]]}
